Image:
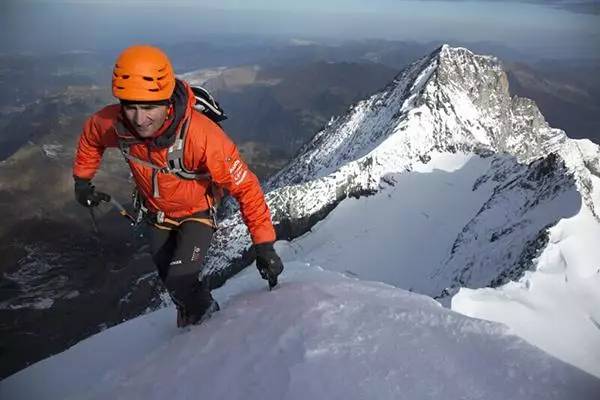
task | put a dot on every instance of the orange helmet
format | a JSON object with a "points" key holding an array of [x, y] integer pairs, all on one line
{"points": [[143, 73]]}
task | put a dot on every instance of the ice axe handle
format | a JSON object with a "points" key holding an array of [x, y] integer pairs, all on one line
{"points": [[119, 208]]}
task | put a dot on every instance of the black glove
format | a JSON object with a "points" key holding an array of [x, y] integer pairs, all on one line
{"points": [[268, 263], [86, 194]]}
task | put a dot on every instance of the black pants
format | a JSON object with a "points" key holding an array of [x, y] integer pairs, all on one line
{"points": [[178, 255]]}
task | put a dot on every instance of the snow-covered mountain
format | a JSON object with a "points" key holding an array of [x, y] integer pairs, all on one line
{"points": [[483, 171], [450, 101]]}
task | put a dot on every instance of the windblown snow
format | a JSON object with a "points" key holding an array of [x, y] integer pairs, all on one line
{"points": [[318, 335]]}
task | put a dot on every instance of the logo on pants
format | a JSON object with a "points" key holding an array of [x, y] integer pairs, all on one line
{"points": [[196, 253]]}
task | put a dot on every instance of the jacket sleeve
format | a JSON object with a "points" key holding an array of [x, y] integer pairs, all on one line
{"points": [[229, 171], [90, 149]]}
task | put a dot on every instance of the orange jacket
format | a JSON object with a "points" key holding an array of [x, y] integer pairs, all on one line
{"points": [[207, 149]]}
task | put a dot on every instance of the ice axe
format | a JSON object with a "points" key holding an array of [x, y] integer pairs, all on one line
{"points": [[118, 206], [122, 211]]}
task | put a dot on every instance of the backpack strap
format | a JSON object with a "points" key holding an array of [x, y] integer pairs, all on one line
{"points": [[125, 142], [175, 157]]}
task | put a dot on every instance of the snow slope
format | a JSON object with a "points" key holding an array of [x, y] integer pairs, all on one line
{"points": [[485, 217], [403, 235], [556, 306], [319, 335]]}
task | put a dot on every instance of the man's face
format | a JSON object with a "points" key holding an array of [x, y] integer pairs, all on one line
{"points": [[145, 118]]}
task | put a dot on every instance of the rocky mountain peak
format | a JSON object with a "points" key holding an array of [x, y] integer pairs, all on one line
{"points": [[449, 101], [479, 84]]}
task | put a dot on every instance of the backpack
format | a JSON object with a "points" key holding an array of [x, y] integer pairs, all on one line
{"points": [[207, 105]]}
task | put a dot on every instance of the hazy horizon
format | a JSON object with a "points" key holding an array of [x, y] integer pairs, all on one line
{"points": [[541, 30]]}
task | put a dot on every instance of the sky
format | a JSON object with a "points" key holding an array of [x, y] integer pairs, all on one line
{"points": [[557, 27]]}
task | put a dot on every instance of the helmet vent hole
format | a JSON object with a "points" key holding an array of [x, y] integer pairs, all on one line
{"points": [[125, 76], [153, 90], [148, 78]]}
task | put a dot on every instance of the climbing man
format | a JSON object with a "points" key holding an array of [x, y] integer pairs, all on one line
{"points": [[180, 160]]}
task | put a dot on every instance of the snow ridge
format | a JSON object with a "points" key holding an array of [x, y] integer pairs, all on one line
{"points": [[319, 335]]}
